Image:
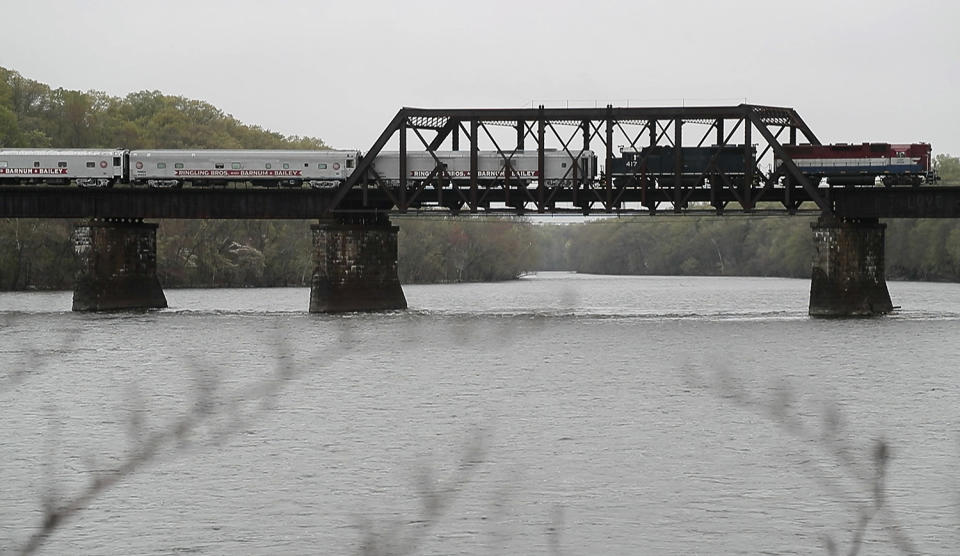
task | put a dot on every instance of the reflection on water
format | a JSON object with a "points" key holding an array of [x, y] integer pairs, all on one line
{"points": [[664, 415]]}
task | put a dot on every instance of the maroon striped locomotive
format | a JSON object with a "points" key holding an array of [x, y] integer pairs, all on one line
{"points": [[863, 164]]}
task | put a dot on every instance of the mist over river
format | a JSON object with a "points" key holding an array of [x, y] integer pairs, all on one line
{"points": [[556, 414]]}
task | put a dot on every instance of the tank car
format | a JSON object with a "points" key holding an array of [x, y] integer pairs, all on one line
{"points": [[862, 164], [173, 168], [85, 167]]}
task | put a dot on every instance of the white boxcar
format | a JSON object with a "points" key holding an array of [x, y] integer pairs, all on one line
{"points": [[171, 168], [86, 167], [558, 166]]}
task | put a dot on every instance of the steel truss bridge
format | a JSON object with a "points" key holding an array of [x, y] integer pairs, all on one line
{"points": [[509, 131]]}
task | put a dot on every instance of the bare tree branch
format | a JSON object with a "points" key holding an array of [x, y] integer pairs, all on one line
{"points": [[223, 415]]}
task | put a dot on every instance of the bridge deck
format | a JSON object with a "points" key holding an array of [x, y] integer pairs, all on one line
{"points": [[257, 203]]}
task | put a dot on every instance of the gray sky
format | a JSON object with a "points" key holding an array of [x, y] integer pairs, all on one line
{"points": [[873, 70]]}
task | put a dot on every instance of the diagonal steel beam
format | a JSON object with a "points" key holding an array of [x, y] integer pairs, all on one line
{"points": [[442, 134], [791, 168], [360, 171]]}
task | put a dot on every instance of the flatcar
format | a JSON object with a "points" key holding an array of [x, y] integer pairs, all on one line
{"points": [[560, 168], [657, 164], [173, 168], [862, 164], [85, 167]]}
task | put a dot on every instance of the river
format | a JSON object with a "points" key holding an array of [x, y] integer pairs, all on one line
{"points": [[557, 414]]}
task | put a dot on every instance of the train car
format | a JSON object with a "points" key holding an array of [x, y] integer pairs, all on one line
{"points": [[85, 167], [698, 164], [174, 168], [862, 164], [559, 167]]}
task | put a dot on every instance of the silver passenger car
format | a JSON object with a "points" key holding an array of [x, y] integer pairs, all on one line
{"points": [[86, 167], [173, 168], [559, 167]]}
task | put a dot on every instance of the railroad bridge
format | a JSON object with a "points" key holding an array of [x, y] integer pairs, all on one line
{"points": [[355, 245]]}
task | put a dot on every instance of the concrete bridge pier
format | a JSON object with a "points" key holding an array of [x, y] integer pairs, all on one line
{"points": [[848, 277], [118, 266], [355, 265]]}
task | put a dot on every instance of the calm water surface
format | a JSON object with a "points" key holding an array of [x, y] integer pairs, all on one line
{"points": [[615, 415]]}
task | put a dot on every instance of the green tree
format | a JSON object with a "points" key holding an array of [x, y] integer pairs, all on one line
{"points": [[9, 130], [948, 167]]}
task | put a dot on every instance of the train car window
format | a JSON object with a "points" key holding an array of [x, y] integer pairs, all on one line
{"points": [[286, 166], [3, 163], [563, 164], [268, 165], [218, 165], [161, 164], [306, 164], [322, 166], [178, 165], [235, 165], [36, 164], [61, 164], [116, 161], [349, 163], [91, 164]]}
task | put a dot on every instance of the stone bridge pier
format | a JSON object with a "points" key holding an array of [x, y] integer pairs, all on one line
{"points": [[118, 266], [848, 278], [355, 265]]}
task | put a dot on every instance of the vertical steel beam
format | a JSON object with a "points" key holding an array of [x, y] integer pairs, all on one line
{"points": [[720, 137], [793, 135], [403, 166], [455, 140], [608, 175], [541, 171], [750, 163], [474, 152], [678, 162], [652, 127], [585, 126], [521, 134]]}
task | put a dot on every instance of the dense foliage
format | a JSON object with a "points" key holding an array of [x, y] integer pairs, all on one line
{"points": [[212, 253], [752, 246], [231, 253], [948, 167], [34, 115], [465, 250], [737, 246]]}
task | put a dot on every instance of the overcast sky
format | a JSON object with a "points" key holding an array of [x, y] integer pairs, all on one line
{"points": [[873, 70]]}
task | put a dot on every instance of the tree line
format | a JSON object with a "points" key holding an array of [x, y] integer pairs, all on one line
{"points": [[33, 114], [38, 254]]}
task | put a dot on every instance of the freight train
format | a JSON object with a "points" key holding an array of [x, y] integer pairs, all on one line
{"points": [[319, 169]]}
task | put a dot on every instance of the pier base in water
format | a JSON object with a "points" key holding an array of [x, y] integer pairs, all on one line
{"points": [[118, 266], [848, 277], [355, 266]]}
